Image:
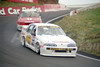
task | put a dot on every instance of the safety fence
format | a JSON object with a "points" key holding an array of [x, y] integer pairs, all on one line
{"points": [[91, 6]]}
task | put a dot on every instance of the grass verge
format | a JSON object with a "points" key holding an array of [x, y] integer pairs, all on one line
{"points": [[16, 4], [84, 28]]}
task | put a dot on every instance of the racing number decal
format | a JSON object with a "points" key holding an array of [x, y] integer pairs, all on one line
{"points": [[28, 39]]}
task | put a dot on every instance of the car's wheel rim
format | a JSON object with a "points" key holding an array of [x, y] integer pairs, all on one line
{"points": [[37, 49]]}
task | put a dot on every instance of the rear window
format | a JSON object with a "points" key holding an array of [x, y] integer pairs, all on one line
{"points": [[30, 14]]}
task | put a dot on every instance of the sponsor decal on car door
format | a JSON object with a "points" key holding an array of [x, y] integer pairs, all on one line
{"points": [[28, 39]]}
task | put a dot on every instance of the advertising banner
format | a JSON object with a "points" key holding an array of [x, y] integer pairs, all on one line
{"points": [[6, 11]]}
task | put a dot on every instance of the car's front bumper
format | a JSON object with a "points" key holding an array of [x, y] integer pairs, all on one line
{"points": [[68, 52]]}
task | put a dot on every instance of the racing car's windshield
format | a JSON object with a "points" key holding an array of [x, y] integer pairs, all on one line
{"points": [[50, 30], [29, 14]]}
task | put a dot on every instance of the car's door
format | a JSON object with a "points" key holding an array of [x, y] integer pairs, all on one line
{"points": [[28, 34], [33, 33]]}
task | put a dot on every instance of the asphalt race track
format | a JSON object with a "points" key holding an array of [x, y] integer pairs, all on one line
{"points": [[13, 54]]}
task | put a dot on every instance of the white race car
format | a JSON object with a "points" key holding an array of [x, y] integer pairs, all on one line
{"points": [[48, 39]]}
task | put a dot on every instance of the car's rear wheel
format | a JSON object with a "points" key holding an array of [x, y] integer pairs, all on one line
{"points": [[18, 28], [23, 41], [37, 48]]}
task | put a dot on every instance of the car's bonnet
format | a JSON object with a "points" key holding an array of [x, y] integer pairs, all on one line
{"points": [[55, 39]]}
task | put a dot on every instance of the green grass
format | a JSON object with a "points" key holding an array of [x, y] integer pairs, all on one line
{"points": [[84, 28], [15, 4]]}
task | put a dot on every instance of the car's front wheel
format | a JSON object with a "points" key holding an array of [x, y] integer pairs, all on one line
{"points": [[23, 41], [37, 48]]}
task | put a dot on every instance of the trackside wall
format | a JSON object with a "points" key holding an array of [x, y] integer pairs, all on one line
{"points": [[6, 11]]}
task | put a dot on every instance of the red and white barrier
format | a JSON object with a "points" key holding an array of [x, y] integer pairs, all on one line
{"points": [[54, 7], [6, 11], [24, 1]]}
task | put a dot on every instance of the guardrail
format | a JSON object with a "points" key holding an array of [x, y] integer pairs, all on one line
{"points": [[92, 6]]}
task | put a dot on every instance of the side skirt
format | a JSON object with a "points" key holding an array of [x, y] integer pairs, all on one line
{"points": [[30, 46]]}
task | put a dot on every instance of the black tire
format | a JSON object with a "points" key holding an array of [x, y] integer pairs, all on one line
{"points": [[18, 30], [37, 48], [24, 44]]}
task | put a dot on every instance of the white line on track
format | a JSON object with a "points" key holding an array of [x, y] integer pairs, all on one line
{"points": [[88, 57], [77, 53], [57, 18]]}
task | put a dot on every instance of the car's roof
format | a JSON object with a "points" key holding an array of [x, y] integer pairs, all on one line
{"points": [[45, 24]]}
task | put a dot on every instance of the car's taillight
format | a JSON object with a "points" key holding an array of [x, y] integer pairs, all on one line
{"points": [[18, 23], [22, 23]]}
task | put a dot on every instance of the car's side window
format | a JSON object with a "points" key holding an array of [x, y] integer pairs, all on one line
{"points": [[21, 14], [29, 29], [33, 31]]}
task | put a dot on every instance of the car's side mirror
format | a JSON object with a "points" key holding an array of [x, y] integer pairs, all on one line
{"points": [[33, 34], [66, 34]]}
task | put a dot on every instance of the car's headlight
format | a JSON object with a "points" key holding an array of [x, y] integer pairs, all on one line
{"points": [[71, 45], [50, 45]]}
